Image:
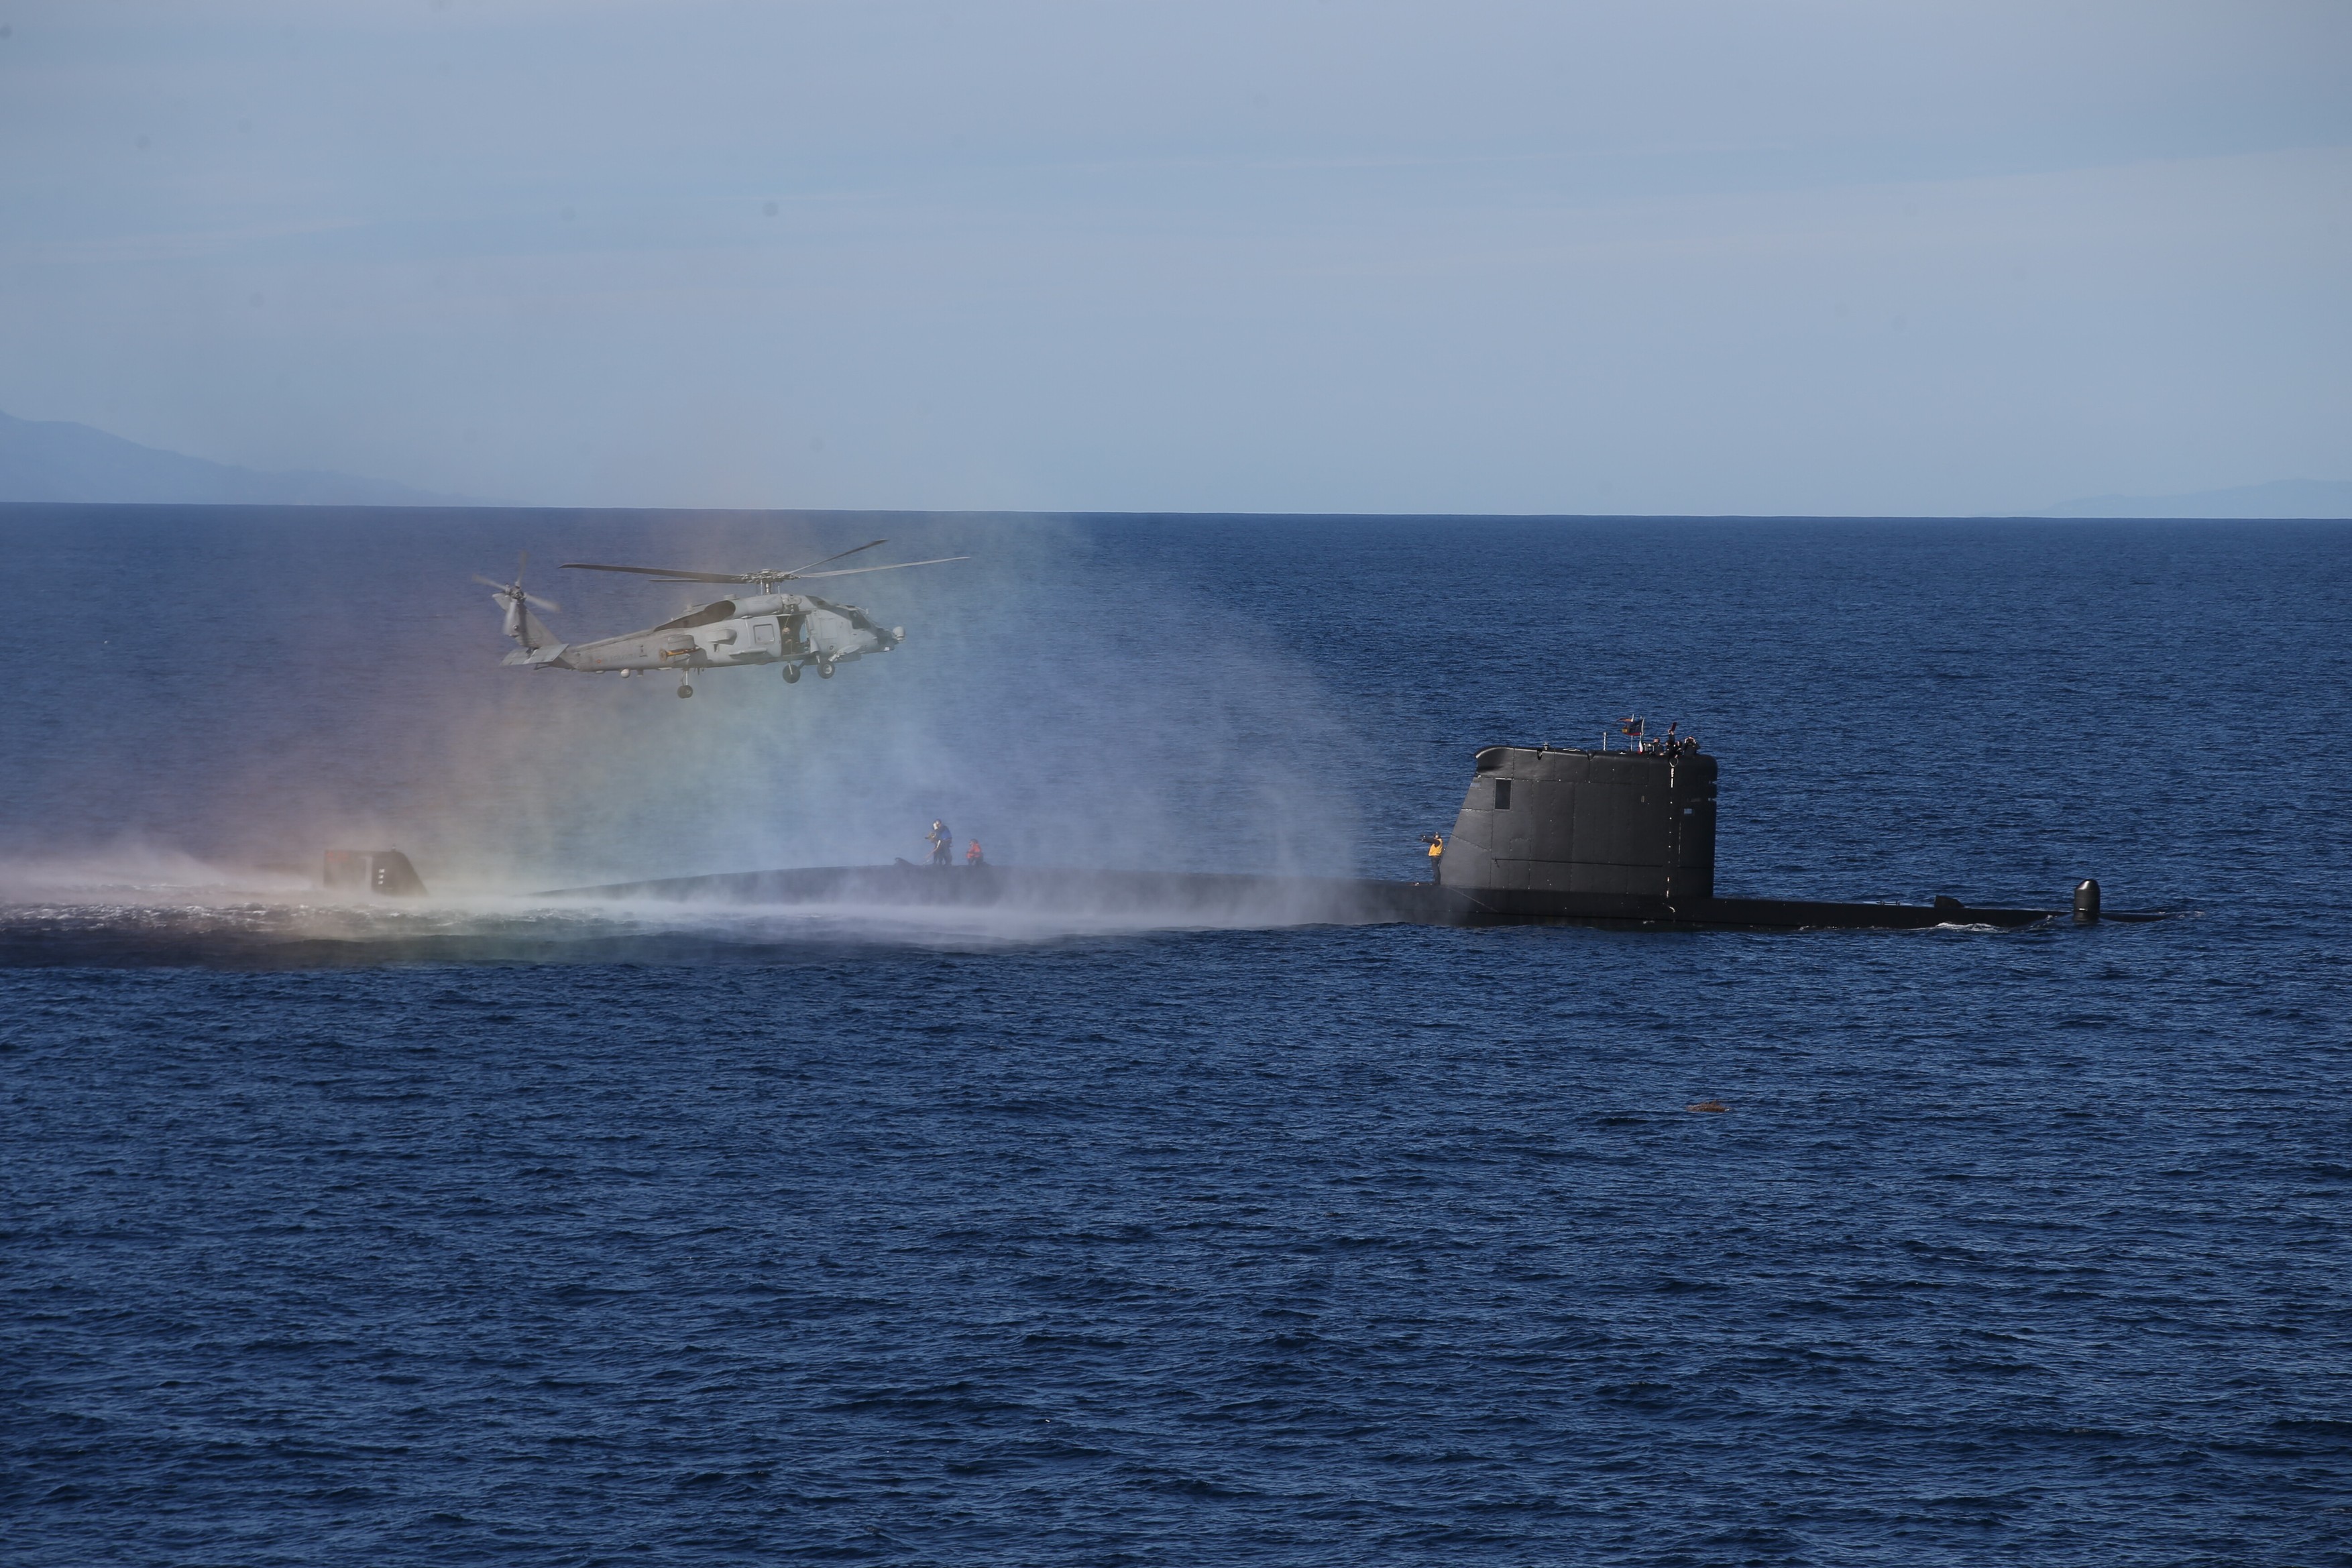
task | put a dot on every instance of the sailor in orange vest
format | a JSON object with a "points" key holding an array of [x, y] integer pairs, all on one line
{"points": [[972, 857]]}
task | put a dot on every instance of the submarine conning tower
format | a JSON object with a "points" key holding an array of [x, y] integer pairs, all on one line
{"points": [[1626, 824]]}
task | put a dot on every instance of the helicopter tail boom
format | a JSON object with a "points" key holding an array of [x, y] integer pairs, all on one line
{"points": [[548, 654], [538, 645], [524, 627]]}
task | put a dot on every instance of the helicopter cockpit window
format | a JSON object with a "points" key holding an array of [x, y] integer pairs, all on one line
{"points": [[710, 614]]}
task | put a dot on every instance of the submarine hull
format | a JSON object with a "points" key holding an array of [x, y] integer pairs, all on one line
{"points": [[1215, 899], [1546, 835]]}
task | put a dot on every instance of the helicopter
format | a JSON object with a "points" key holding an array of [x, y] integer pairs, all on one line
{"points": [[764, 627]]}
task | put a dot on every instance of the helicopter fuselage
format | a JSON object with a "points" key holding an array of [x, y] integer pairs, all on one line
{"points": [[790, 629]]}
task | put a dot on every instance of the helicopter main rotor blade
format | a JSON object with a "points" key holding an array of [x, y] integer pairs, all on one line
{"points": [[677, 575], [799, 571], [894, 566], [673, 573]]}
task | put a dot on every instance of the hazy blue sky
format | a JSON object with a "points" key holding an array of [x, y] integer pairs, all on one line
{"points": [[1322, 254]]}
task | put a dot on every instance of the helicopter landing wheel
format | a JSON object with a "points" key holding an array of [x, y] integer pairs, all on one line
{"points": [[686, 690], [823, 670], [791, 673]]}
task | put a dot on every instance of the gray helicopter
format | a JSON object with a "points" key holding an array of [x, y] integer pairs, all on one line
{"points": [[793, 630]]}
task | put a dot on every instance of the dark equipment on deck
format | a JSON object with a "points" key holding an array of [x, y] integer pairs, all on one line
{"points": [[383, 872]]}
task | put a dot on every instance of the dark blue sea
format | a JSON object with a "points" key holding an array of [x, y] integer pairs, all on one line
{"points": [[496, 1228]]}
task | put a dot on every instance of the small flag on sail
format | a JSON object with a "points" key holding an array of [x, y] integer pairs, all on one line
{"points": [[1632, 727]]}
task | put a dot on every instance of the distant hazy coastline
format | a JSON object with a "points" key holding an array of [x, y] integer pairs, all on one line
{"points": [[53, 461]]}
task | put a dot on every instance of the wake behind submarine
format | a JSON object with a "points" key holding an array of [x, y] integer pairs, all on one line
{"points": [[1546, 835]]}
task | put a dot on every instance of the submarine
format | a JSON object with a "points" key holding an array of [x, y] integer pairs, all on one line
{"points": [[1546, 835]]}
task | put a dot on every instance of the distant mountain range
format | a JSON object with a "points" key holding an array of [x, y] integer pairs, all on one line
{"points": [[2280, 498], [56, 461]]}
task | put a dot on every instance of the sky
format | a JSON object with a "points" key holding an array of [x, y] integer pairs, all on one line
{"points": [[1273, 255]]}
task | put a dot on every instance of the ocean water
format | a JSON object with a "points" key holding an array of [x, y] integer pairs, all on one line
{"points": [[503, 1228]]}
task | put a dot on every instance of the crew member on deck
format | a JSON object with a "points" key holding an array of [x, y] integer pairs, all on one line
{"points": [[942, 843], [1436, 842], [971, 855]]}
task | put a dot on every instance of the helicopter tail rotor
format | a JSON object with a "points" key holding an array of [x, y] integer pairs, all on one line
{"points": [[549, 605]]}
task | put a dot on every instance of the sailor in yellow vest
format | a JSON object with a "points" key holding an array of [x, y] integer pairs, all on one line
{"points": [[1436, 842]]}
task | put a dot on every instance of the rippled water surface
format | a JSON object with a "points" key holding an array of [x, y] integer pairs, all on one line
{"points": [[491, 1227]]}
